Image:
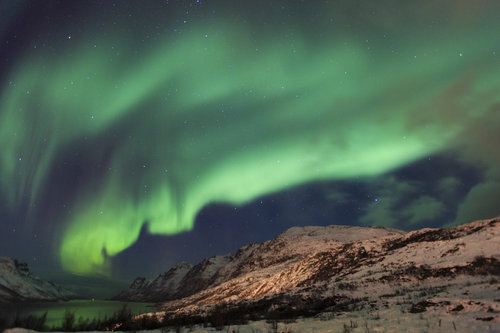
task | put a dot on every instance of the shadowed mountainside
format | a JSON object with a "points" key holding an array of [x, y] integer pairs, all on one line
{"points": [[17, 284]]}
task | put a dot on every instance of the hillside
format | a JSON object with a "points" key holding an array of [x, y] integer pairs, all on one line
{"points": [[324, 272], [260, 259], [17, 284]]}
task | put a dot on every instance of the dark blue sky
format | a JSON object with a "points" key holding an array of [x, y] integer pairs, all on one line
{"points": [[125, 123]]}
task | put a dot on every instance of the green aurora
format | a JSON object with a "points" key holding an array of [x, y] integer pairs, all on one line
{"points": [[221, 113]]}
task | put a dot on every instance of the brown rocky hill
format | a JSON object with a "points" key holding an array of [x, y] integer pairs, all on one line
{"points": [[315, 270], [265, 258]]}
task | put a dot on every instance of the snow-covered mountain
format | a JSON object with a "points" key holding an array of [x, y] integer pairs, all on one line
{"points": [[164, 287], [258, 258], [325, 271], [180, 281], [17, 284]]}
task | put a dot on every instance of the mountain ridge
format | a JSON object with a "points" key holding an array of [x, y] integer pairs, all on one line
{"points": [[17, 284], [311, 272], [246, 259]]}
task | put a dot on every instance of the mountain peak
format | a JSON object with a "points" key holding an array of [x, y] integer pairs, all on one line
{"points": [[139, 283], [341, 233], [18, 284], [292, 245], [306, 271]]}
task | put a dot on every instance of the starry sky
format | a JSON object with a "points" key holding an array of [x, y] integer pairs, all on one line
{"points": [[135, 135]]}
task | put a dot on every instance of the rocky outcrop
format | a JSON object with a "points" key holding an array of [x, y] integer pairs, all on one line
{"points": [[140, 283], [202, 275], [303, 273], [17, 284], [311, 271], [288, 248], [164, 287]]}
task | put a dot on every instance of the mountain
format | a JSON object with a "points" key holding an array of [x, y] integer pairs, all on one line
{"points": [[17, 284], [164, 287], [330, 271], [180, 281], [290, 247]]}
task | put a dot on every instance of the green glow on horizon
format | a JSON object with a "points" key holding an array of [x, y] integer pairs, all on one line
{"points": [[208, 118]]}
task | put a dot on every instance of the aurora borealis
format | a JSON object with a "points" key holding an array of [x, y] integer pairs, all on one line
{"points": [[120, 116]]}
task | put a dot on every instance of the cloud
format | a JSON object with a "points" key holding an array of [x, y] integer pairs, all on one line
{"points": [[338, 197], [447, 187], [424, 208], [399, 203], [387, 193], [380, 213], [478, 146], [481, 203]]}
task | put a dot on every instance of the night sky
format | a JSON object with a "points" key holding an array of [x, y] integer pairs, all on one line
{"points": [[136, 134]]}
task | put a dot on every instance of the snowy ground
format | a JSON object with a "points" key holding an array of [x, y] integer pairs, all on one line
{"points": [[470, 304], [389, 320]]}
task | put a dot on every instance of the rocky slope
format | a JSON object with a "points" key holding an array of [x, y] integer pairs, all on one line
{"points": [[17, 284], [180, 281], [260, 259], [448, 276], [453, 271]]}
